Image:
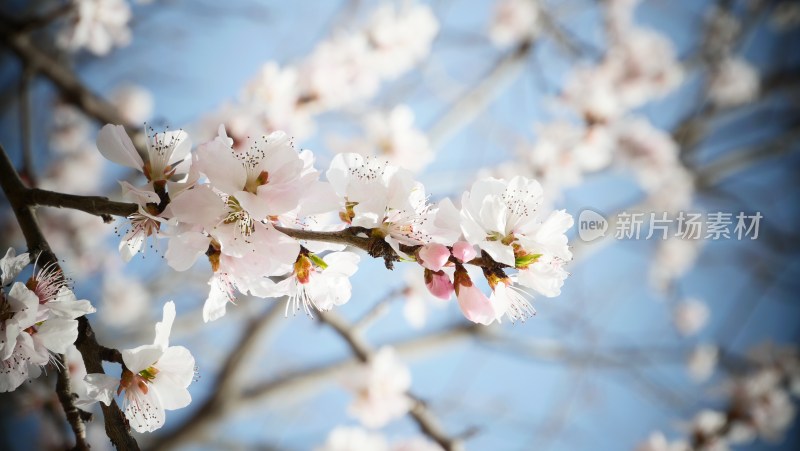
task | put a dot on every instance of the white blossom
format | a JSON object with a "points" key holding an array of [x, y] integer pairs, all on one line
{"points": [[735, 82], [155, 379], [97, 25], [690, 315], [380, 387], [514, 21]]}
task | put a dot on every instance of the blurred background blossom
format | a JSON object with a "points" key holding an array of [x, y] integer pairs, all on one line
{"points": [[648, 106]]}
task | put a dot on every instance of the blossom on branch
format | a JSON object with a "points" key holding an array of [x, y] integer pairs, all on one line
{"points": [[37, 319], [154, 379]]}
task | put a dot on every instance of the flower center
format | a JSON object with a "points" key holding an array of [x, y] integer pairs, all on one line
{"points": [[240, 217]]}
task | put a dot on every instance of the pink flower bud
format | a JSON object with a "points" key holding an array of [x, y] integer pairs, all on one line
{"points": [[475, 306], [433, 256], [464, 251], [438, 284]]}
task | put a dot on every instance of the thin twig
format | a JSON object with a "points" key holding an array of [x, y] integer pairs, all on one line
{"points": [[25, 125]]}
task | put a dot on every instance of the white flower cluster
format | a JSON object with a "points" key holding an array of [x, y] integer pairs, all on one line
{"points": [[38, 318], [344, 69], [232, 204], [640, 66]]}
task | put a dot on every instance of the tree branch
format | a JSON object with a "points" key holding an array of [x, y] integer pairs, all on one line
{"points": [[116, 426], [95, 205]]}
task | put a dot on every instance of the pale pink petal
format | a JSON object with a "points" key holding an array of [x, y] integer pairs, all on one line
{"points": [[144, 411], [225, 172], [184, 249], [475, 305], [164, 327], [171, 394], [499, 252], [218, 298], [141, 358], [200, 206], [433, 256], [11, 265], [464, 251], [57, 334], [115, 144], [439, 284], [24, 303], [101, 387], [66, 305], [177, 364]]}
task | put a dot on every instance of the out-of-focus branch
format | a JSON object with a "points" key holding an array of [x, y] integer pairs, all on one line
{"points": [[116, 426], [71, 88], [25, 125], [548, 351], [426, 421], [378, 309], [29, 24], [691, 130], [735, 161], [477, 98]]}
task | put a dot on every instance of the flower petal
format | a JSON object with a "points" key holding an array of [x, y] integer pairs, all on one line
{"points": [[177, 364], [56, 334], [115, 144], [101, 387], [141, 358], [164, 327], [11, 265]]}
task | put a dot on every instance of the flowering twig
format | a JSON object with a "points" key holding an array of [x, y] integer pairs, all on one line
{"points": [[92, 353], [105, 208]]}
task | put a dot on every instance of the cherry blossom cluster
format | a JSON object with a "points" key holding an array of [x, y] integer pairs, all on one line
{"points": [[761, 405], [342, 70], [38, 319], [639, 66], [238, 207]]}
